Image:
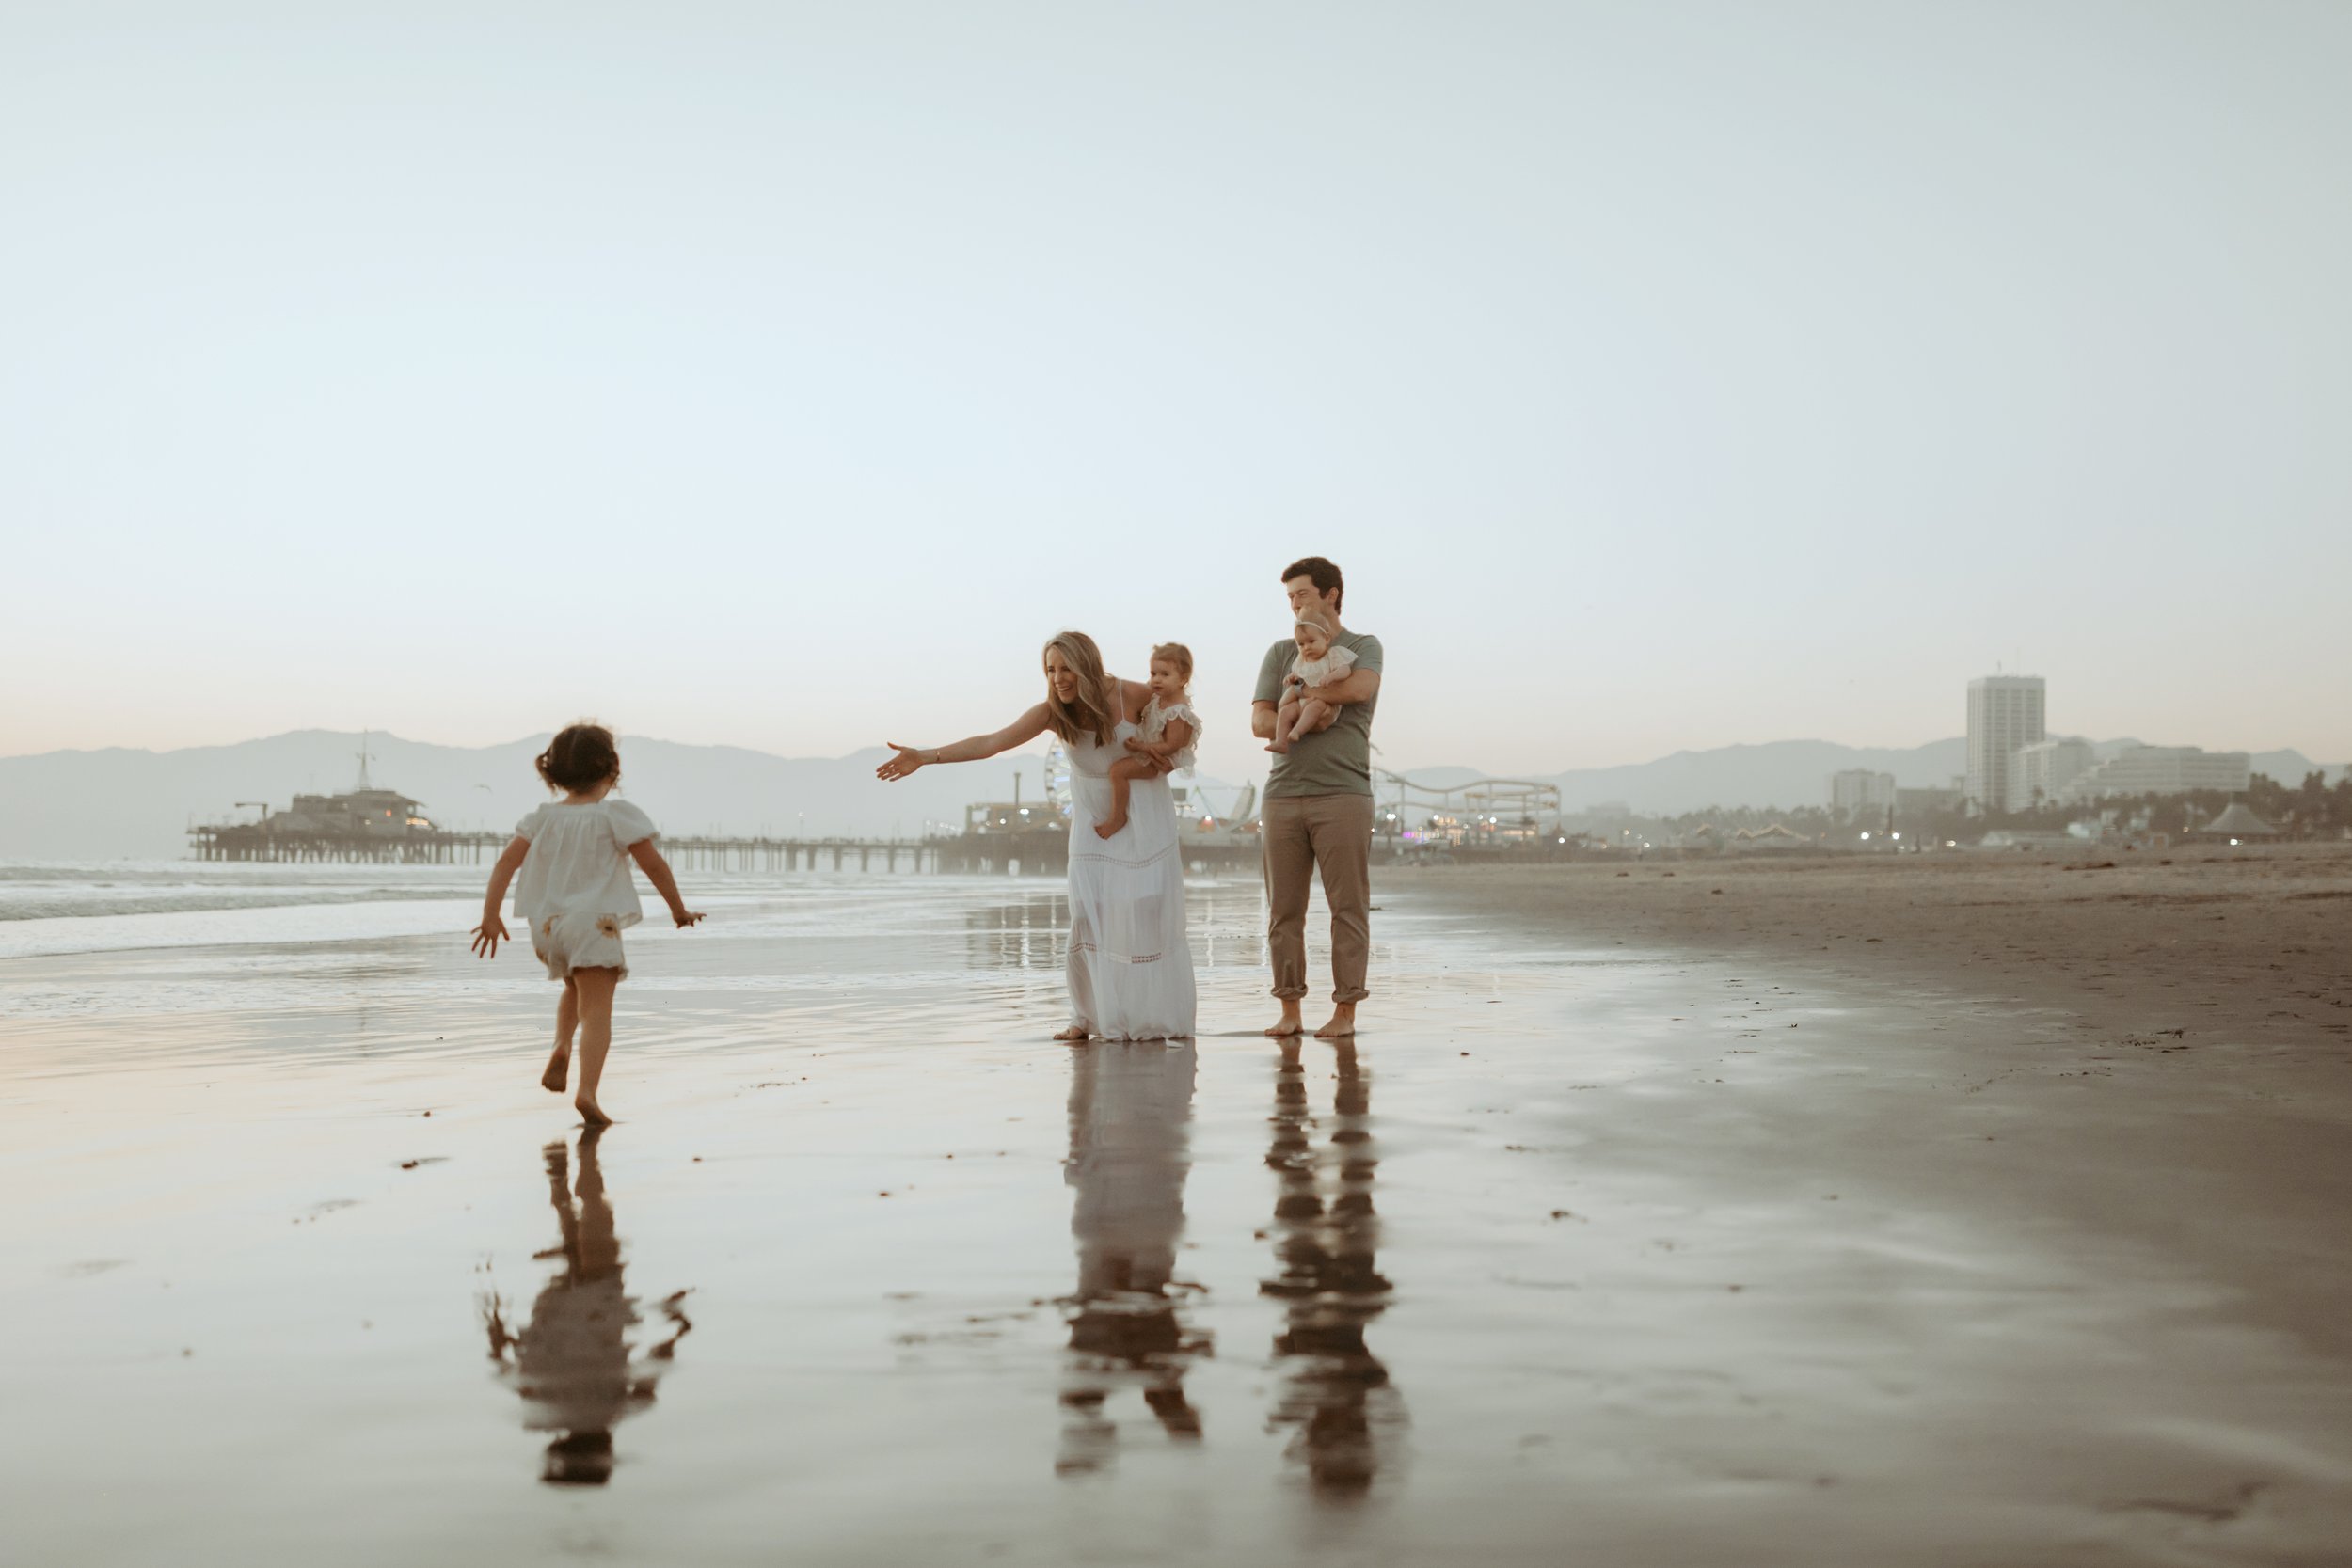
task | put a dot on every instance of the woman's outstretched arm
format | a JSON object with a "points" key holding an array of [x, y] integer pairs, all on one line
{"points": [[1027, 727]]}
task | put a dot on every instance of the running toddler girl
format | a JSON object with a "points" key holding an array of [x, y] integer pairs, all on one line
{"points": [[577, 895], [1163, 742]]}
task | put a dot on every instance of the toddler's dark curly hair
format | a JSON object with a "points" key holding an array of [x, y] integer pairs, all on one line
{"points": [[581, 756]]}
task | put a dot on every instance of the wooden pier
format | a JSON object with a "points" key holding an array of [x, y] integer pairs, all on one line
{"points": [[254, 841], [1033, 852]]}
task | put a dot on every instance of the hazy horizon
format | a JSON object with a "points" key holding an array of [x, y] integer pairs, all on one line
{"points": [[1663, 379], [1253, 767]]}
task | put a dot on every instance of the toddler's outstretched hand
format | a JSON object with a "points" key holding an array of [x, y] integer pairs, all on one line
{"points": [[686, 917], [487, 936]]}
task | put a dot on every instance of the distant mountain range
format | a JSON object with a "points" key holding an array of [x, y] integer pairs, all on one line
{"points": [[67, 805]]}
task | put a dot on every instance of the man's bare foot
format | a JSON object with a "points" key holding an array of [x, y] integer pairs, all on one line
{"points": [[559, 1073], [590, 1114], [1108, 827], [1073, 1033], [1343, 1024], [1291, 1024]]}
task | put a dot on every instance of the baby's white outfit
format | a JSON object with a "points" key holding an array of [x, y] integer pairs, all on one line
{"points": [[1334, 665], [575, 889], [1155, 724]]}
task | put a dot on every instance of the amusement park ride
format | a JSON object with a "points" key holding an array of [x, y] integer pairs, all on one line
{"points": [[1489, 813]]}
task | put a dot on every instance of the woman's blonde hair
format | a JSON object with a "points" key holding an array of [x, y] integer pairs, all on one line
{"points": [[1177, 655], [1096, 710]]}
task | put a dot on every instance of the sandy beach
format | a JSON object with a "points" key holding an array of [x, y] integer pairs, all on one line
{"points": [[1643, 1223]]}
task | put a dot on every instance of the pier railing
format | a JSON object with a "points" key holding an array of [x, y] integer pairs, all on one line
{"points": [[1041, 851]]}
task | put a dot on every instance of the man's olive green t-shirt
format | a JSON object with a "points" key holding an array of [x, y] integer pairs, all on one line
{"points": [[1337, 761]]}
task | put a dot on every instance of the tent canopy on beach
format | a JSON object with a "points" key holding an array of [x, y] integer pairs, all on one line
{"points": [[2236, 821]]}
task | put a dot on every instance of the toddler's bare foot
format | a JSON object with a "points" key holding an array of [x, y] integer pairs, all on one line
{"points": [[1108, 826], [1278, 746], [1343, 1024], [591, 1114], [559, 1073], [1073, 1033]]}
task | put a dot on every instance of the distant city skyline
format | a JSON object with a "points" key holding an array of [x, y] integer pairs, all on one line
{"points": [[1663, 378]]}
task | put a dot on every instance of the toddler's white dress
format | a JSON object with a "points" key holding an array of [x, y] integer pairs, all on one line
{"points": [[575, 889], [1334, 665], [1155, 724]]}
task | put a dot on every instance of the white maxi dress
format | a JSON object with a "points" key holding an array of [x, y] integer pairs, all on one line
{"points": [[1129, 969]]}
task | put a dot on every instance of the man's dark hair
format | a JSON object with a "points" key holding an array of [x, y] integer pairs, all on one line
{"points": [[1325, 576], [581, 756]]}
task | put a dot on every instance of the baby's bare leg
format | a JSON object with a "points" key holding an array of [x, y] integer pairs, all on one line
{"points": [[1123, 773], [1314, 714], [567, 1021], [1285, 718]]}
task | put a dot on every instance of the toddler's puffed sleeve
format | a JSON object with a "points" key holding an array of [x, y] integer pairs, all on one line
{"points": [[529, 827], [629, 824], [1341, 660]]}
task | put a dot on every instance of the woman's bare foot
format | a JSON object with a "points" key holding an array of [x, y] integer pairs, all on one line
{"points": [[1073, 1033], [1108, 826], [1343, 1024], [559, 1073], [591, 1114], [1291, 1024]]}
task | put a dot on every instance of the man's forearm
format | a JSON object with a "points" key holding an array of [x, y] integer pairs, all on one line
{"points": [[1262, 720], [1358, 685]]}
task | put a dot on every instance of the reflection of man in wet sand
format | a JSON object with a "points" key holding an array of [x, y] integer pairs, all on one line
{"points": [[1129, 1106], [1335, 1393], [572, 1361]]}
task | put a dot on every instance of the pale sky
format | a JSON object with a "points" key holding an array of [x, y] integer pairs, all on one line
{"points": [[1663, 375]]}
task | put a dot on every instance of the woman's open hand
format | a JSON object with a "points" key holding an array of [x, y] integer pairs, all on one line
{"points": [[907, 761]]}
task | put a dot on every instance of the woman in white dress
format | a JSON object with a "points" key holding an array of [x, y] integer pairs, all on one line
{"points": [[1130, 970]]}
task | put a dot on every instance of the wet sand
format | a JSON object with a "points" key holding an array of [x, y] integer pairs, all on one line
{"points": [[1611, 1241]]}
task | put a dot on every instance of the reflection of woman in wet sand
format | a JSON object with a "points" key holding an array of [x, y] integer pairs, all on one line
{"points": [[572, 1362], [1130, 971], [1336, 1393], [1130, 1105]]}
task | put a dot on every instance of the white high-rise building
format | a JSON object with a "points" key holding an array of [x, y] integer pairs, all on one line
{"points": [[2004, 716], [2038, 774], [1858, 793], [2163, 771]]}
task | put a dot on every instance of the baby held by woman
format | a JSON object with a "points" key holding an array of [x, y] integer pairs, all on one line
{"points": [[1163, 742], [1319, 663]]}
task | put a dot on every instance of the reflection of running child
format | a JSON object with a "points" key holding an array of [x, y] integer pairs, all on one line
{"points": [[1163, 742], [573, 1363], [1318, 663], [577, 895]]}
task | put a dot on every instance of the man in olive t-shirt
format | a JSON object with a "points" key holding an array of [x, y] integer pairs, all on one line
{"points": [[1318, 811]]}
